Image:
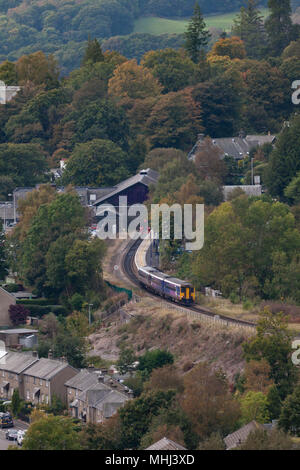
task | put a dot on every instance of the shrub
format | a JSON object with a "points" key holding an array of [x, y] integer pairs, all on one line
{"points": [[18, 314], [41, 310]]}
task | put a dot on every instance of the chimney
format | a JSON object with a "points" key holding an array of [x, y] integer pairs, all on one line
{"points": [[201, 137], [35, 354], [50, 354], [100, 378]]}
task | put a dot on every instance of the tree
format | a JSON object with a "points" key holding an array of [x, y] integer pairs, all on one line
{"points": [[292, 191], [3, 255], [39, 69], [126, 359], [96, 163], [254, 407], [133, 81], [273, 344], [214, 442], [52, 433], [196, 35], [264, 440], [165, 378], [64, 217], [153, 360], [220, 102], [284, 160], [172, 68], [136, 416], [232, 47], [8, 73], [25, 164], [93, 52], [279, 26], [208, 162], [249, 26], [208, 403], [289, 419], [18, 314], [16, 403], [175, 121], [257, 376]]}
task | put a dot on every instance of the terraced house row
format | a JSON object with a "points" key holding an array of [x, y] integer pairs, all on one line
{"points": [[89, 395]]}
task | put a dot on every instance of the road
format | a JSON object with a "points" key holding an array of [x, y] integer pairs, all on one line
{"points": [[4, 443]]}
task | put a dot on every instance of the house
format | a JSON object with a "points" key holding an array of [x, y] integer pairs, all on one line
{"points": [[136, 190], [165, 444], [7, 92], [12, 367], [236, 147], [94, 397], [6, 299], [240, 436], [47, 378], [19, 337]]}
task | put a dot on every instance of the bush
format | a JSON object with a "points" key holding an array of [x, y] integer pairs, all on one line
{"points": [[293, 311], [12, 288], [234, 298], [18, 314], [247, 305], [43, 302], [41, 310]]}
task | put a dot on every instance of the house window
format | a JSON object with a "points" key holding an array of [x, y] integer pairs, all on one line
{"points": [[27, 395], [34, 380], [41, 381]]}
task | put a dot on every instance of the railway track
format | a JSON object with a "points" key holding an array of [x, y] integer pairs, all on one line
{"points": [[128, 266]]}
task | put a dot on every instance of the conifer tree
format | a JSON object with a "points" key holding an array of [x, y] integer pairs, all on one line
{"points": [[93, 52], [279, 26], [249, 26], [197, 35]]}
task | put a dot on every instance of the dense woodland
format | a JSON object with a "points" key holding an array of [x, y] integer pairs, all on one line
{"points": [[62, 26]]}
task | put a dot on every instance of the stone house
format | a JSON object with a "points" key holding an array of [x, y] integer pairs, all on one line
{"points": [[94, 397], [46, 378], [12, 367]]}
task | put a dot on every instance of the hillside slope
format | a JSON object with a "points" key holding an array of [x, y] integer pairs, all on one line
{"points": [[188, 339]]}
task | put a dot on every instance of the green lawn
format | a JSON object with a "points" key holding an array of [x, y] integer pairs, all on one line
{"points": [[155, 25]]}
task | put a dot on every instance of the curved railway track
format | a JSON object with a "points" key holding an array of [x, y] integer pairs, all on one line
{"points": [[128, 266]]}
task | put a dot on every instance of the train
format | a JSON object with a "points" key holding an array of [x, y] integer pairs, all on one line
{"points": [[159, 283], [166, 286]]}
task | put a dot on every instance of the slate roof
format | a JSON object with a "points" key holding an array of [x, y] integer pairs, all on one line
{"points": [[238, 437], [165, 444], [46, 368], [146, 177], [17, 362], [236, 147], [83, 380], [18, 331]]}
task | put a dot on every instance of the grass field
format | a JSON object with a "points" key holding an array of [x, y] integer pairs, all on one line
{"points": [[155, 25]]}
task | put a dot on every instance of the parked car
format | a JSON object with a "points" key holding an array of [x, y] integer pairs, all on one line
{"points": [[12, 435], [6, 420], [20, 436]]}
